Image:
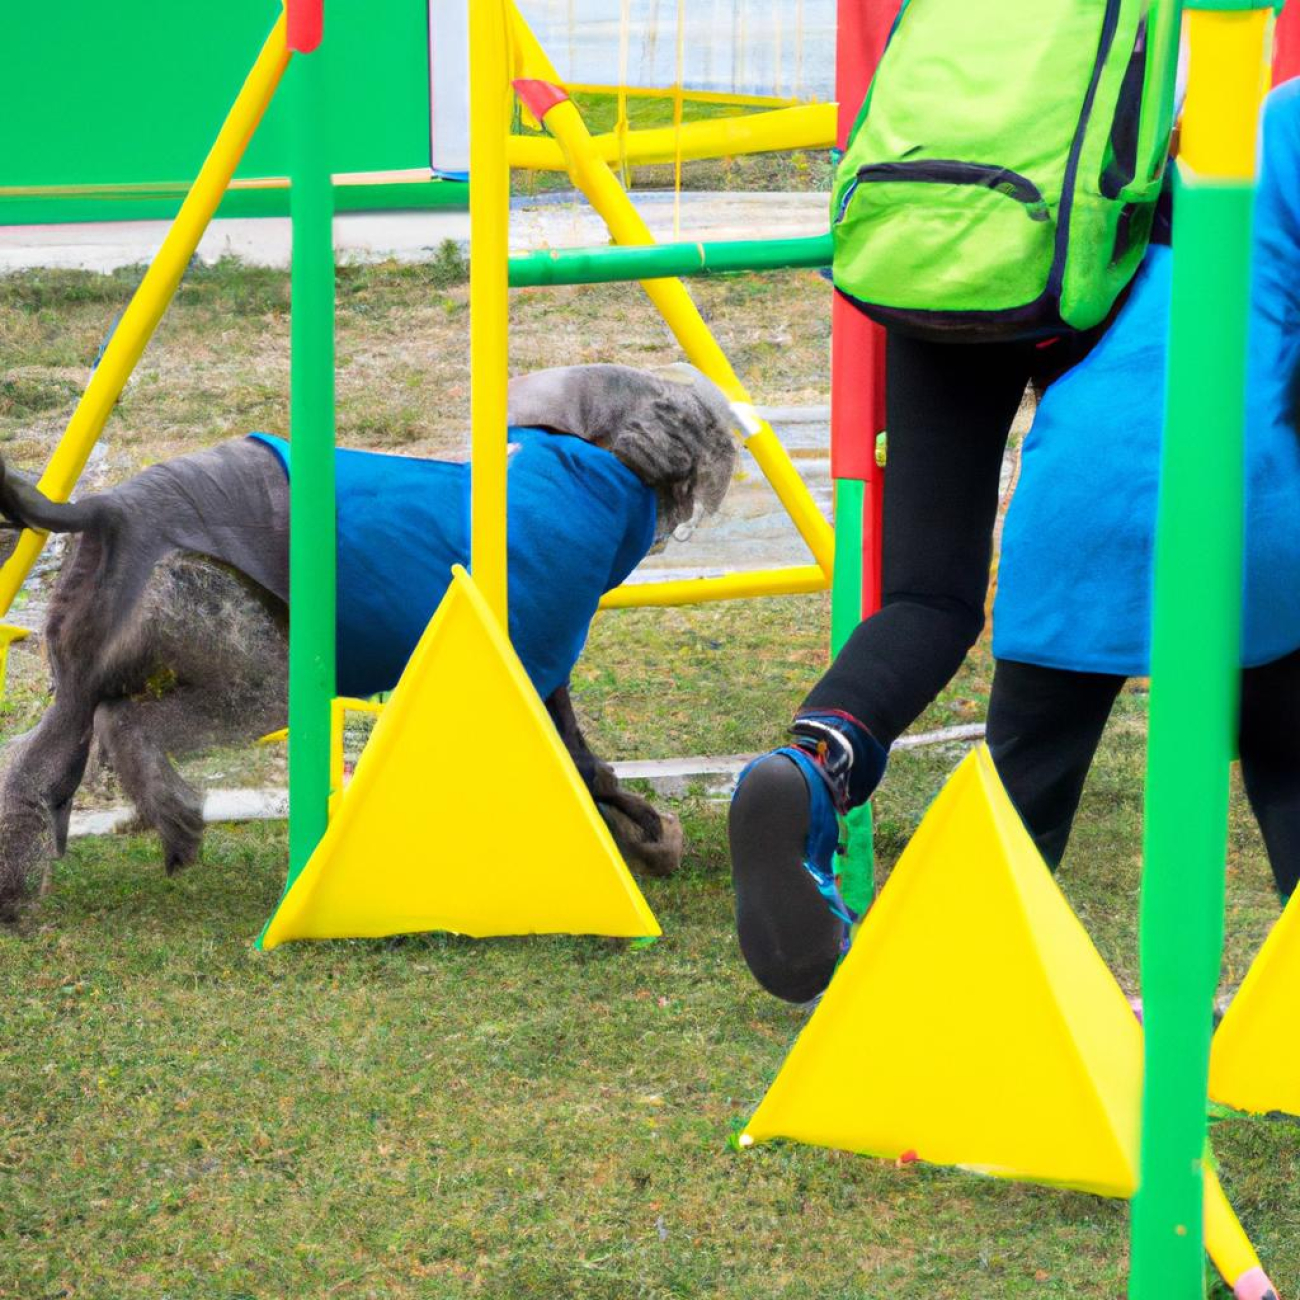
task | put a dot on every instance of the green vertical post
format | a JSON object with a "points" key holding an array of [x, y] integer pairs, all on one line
{"points": [[311, 488], [1194, 661], [857, 863]]}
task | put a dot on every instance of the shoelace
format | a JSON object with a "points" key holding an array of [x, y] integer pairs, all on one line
{"points": [[832, 755]]}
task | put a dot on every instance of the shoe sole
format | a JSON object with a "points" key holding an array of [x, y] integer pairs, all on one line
{"points": [[788, 935]]}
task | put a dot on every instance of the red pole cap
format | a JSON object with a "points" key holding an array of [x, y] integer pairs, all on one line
{"points": [[306, 24], [1286, 45]]}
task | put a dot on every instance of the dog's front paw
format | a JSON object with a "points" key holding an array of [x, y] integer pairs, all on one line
{"points": [[660, 856]]}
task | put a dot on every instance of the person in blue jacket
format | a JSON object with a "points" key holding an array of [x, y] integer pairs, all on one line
{"points": [[1072, 616]]}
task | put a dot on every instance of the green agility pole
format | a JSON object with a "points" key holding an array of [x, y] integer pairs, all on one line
{"points": [[666, 261], [1195, 643], [311, 503], [857, 862]]}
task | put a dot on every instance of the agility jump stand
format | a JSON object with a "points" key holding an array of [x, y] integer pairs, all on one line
{"points": [[422, 839], [466, 812], [972, 1022]]}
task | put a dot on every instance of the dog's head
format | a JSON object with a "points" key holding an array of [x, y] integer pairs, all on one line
{"points": [[673, 428]]}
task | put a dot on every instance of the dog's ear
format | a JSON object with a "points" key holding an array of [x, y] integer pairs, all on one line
{"points": [[587, 401]]}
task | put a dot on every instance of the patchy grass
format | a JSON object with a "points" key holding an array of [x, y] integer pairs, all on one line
{"points": [[543, 1117], [219, 365], [181, 1116]]}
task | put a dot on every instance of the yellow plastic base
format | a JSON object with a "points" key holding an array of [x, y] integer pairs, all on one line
{"points": [[465, 812], [974, 1024], [1255, 1057]]}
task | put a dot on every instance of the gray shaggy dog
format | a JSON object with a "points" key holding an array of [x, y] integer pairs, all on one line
{"points": [[168, 625]]}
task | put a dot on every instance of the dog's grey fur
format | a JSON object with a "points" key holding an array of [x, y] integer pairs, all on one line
{"points": [[168, 626]]}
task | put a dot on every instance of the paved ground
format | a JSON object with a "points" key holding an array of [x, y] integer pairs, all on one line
{"points": [[546, 221]]}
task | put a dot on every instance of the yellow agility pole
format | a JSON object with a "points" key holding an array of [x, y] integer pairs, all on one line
{"points": [[810, 126], [690, 96], [794, 581], [489, 298], [146, 308], [608, 198]]}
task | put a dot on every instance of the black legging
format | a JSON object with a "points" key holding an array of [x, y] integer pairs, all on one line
{"points": [[1044, 725], [949, 408]]}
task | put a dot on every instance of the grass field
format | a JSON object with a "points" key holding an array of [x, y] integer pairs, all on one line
{"points": [[432, 1117]]}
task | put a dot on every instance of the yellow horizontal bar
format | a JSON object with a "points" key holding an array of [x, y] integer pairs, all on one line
{"points": [[1228, 79], [796, 581], [351, 704], [810, 126], [340, 707], [688, 96], [168, 189]]}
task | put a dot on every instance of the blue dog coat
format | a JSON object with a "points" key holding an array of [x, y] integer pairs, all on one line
{"points": [[1075, 580], [578, 522]]}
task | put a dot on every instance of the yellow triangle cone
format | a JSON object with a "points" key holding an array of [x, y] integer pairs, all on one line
{"points": [[972, 1022], [466, 812], [1255, 1057]]}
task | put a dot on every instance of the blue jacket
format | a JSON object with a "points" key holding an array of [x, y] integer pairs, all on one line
{"points": [[1075, 579], [578, 522]]}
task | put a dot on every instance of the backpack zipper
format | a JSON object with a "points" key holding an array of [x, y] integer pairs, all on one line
{"points": [[945, 171]]}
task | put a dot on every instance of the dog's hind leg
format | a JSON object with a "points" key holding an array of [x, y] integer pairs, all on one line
{"points": [[163, 799], [42, 771], [219, 641], [139, 736]]}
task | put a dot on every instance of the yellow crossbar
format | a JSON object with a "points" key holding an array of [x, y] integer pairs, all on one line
{"points": [[797, 581], [810, 126]]}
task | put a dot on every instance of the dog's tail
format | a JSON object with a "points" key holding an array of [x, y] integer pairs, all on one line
{"points": [[24, 506]]}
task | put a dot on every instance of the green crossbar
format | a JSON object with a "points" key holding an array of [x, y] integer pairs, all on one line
{"points": [[662, 261]]}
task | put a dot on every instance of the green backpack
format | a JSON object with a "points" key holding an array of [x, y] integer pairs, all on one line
{"points": [[1002, 176]]}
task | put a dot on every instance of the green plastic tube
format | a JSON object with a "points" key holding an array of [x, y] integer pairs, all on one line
{"points": [[857, 862], [311, 485], [1194, 661], [661, 261]]}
